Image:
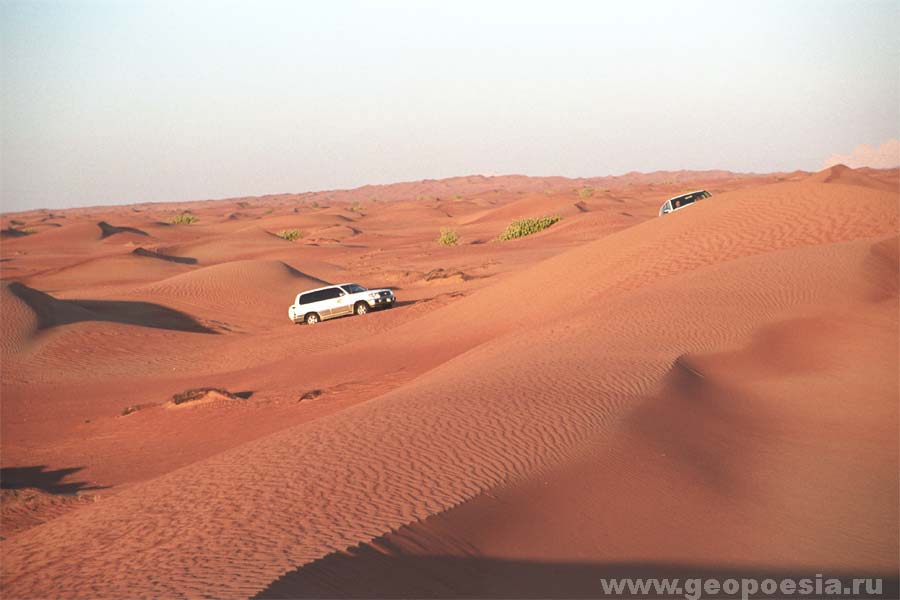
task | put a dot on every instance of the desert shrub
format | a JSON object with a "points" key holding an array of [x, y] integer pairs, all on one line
{"points": [[439, 273], [290, 234], [243, 204], [315, 204], [448, 237], [128, 410], [14, 232], [198, 393], [524, 227], [183, 219], [586, 192]]}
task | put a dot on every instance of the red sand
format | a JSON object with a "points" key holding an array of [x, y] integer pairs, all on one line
{"points": [[716, 388]]}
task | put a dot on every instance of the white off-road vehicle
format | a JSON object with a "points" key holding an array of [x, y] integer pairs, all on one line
{"points": [[337, 300], [679, 202]]}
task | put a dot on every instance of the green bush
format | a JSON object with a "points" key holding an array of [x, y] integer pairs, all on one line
{"points": [[290, 234], [586, 192], [183, 219], [448, 237], [524, 227]]}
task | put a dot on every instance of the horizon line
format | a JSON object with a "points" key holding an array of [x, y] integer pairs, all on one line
{"points": [[409, 181]]}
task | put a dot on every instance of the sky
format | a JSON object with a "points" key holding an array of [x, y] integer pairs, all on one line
{"points": [[123, 102]]}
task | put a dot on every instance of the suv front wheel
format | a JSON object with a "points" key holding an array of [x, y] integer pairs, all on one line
{"points": [[361, 308]]}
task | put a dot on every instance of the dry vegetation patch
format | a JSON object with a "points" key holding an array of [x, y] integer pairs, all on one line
{"points": [[524, 227], [205, 393]]}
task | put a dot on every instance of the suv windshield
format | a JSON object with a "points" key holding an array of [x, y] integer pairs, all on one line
{"points": [[353, 288]]}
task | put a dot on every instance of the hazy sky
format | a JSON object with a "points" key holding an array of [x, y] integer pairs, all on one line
{"points": [[120, 102]]}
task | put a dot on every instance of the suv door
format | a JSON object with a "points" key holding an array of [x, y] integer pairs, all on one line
{"points": [[309, 302], [344, 303], [330, 303]]}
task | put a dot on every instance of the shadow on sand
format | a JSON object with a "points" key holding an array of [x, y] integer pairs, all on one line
{"points": [[107, 230], [184, 260], [52, 312], [369, 573], [16, 478]]}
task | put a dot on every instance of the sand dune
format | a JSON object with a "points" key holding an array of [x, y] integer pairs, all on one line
{"points": [[18, 324], [238, 288], [50, 312], [724, 429], [78, 237], [408, 212], [308, 218], [23, 509], [527, 207], [224, 244], [844, 175], [338, 232], [712, 390], [110, 270]]}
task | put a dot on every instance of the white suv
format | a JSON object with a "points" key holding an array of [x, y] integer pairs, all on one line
{"points": [[337, 300], [679, 202]]}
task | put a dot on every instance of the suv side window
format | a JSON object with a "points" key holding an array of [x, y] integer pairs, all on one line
{"points": [[318, 296], [312, 297]]}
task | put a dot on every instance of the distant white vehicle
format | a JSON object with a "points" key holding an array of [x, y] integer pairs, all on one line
{"points": [[679, 202], [321, 304]]}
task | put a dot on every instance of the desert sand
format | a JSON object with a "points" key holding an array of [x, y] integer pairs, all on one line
{"points": [[714, 391]]}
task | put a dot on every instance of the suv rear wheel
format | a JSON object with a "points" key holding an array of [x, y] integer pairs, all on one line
{"points": [[312, 319]]}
